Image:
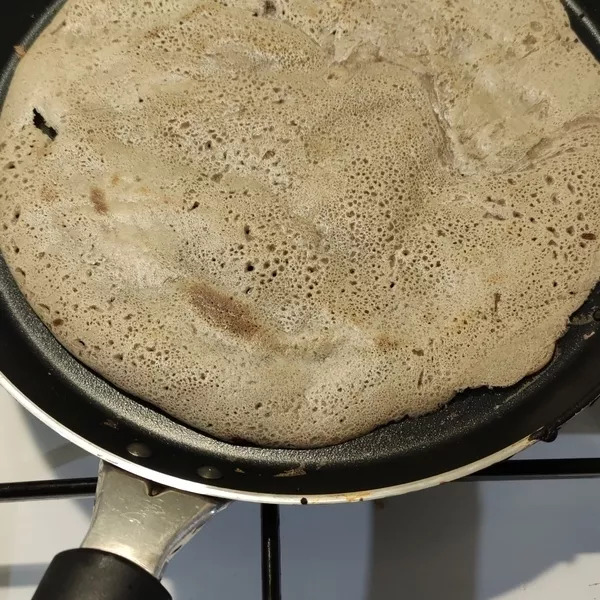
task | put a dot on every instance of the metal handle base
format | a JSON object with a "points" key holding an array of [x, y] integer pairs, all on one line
{"points": [[143, 522]]}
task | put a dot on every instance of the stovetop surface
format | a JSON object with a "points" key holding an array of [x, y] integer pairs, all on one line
{"points": [[462, 541]]}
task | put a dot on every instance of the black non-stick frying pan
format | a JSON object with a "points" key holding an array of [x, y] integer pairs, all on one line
{"points": [[138, 525]]}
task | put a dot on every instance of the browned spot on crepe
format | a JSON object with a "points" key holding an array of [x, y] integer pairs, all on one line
{"points": [[385, 342], [48, 194], [98, 198], [223, 311]]}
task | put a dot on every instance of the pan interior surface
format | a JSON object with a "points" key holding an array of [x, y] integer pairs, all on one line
{"points": [[477, 424]]}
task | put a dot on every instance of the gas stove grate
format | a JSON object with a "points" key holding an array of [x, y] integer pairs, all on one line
{"points": [[511, 470]]}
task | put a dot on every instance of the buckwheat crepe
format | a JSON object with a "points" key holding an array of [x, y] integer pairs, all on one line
{"points": [[291, 221]]}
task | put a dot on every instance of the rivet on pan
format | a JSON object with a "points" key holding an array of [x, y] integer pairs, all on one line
{"points": [[139, 450], [209, 473], [596, 314]]}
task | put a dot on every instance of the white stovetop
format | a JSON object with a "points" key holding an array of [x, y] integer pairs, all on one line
{"points": [[463, 541]]}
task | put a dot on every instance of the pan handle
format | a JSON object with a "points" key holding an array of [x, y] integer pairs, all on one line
{"points": [[136, 528], [89, 574]]}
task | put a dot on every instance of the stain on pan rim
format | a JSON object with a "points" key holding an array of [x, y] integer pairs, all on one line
{"points": [[478, 426]]}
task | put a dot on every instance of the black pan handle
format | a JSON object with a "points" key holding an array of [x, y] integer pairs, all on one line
{"points": [[90, 574], [136, 528]]}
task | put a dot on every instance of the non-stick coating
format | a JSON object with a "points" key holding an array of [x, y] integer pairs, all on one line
{"points": [[475, 425]]}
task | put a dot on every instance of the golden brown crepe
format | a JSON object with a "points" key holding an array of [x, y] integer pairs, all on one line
{"points": [[291, 221]]}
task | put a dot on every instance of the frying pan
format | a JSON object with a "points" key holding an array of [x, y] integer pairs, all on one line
{"points": [[160, 480]]}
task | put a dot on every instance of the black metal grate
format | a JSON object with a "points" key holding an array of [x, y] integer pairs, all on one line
{"points": [[512, 470]]}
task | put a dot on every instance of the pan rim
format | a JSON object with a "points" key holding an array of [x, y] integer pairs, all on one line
{"points": [[204, 489]]}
